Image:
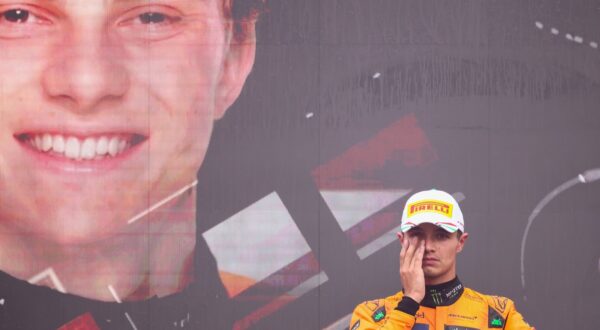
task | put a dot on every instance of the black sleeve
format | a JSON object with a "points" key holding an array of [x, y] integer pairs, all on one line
{"points": [[408, 306]]}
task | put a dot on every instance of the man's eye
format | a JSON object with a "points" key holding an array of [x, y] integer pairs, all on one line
{"points": [[16, 15], [152, 18], [153, 23]]}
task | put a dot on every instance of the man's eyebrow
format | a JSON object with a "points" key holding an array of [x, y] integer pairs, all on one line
{"points": [[148, 1], [108, 2]]}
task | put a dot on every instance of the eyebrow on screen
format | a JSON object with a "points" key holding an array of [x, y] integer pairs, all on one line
{"points": [[119, 1], [153, 1], [59, 3]]}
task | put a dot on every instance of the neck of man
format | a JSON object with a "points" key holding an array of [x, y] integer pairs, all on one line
{"points": [[154, 257], [443, 294]]}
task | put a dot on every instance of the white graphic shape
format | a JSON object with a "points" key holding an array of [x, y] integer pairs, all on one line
{"points": [[378, 243], [118, 300], [353, 206], [257, 241], [114, 294], [341, 324], [308, 285], [161, 202], [48, 272], [588, 176], [568, 36]]}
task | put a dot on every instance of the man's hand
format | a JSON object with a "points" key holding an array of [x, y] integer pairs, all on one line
{"points": [[411, 271]]}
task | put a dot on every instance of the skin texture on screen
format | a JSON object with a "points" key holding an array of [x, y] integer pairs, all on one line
{"points": [[107, 108]]}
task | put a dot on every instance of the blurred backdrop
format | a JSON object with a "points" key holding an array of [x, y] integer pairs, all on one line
{"points": [[353, 105]]}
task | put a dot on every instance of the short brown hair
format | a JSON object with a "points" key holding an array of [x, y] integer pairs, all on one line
{"points": [[242, 12]]}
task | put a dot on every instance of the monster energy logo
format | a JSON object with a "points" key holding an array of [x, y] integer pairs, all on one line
{"points": [[497, 322], [437, 297]]}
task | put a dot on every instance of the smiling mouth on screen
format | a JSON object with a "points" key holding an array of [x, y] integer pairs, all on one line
{"points": [[81, 152]]}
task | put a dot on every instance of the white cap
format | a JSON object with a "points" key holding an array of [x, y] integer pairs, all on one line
{"points": [[432, 206]]}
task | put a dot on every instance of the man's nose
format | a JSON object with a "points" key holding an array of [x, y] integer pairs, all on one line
{"points": [[85, 72], [428, 244]]}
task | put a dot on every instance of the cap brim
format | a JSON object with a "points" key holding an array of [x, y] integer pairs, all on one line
{"points": [[449, 227]]}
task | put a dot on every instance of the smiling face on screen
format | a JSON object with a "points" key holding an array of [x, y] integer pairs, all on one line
{"points": [[107, 106]]}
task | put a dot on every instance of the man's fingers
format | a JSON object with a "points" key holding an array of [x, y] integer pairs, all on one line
{"points": [[415, 255], [404, 242], [403, 249], [419, 255], [406, 255], [410, 251]]}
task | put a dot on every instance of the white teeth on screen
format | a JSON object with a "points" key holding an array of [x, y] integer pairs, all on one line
{"points": [[58, 144], [113, 146], [72, 147], [38, 142], [75, 148], [46, 142], [88, 149], [102, 146]]}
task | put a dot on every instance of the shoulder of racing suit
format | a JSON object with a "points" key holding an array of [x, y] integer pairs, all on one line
{"points": [[382, 313]]}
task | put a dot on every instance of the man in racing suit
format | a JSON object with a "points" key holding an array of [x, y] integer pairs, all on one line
{"points": [[433, 298]]}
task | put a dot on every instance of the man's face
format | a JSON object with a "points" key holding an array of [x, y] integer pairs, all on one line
{"points": [[106, 107], [441, 248]]}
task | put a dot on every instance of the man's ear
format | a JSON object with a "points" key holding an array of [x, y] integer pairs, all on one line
{"points": [[400, 236], [237, 64], [461, 242]]}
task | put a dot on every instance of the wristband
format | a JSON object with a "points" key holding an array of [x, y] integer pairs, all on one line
{"points": [[408, 305]]}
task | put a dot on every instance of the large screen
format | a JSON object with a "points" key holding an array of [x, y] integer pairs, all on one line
{"points": [[244, 164]]}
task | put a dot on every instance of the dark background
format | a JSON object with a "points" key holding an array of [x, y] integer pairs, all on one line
{"points": [[509, 111]]}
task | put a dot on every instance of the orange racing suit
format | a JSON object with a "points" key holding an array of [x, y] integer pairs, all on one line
{"points": [[448, 306]]}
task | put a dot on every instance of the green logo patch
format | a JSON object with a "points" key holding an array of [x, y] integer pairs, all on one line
{"points": [[495, 320], [379, 314]]}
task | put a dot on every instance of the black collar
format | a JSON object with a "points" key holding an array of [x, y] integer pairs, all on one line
{"points": [[200, 305], [442, 294]]}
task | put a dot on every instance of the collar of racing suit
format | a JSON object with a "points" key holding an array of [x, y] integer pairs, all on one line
{"points": [[443, 294]]}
